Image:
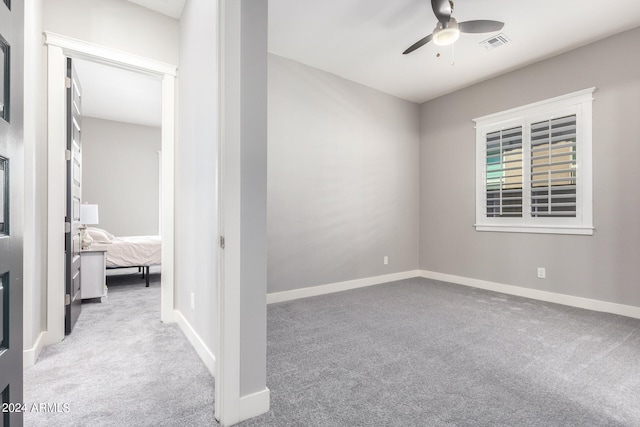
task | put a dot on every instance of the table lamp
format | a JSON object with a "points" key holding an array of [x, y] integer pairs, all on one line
{"points": [[88, 216]]}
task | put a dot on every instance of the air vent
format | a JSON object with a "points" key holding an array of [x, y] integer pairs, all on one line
{"points": [[495, 41]]}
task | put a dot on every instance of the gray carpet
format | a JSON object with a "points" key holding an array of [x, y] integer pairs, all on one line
{"points": [[425, 353], [410, 353], [122, 367]]}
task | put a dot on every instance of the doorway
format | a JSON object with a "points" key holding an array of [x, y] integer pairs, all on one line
{"points": [[59, 49], [120, 174]]}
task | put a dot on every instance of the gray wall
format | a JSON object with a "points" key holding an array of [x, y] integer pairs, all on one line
{"points": [[343, 180], [196, 168], [253, 193], [120, 174], [602, 266]]}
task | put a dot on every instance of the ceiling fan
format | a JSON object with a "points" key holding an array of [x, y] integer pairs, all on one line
{"points": [[448, 29]]}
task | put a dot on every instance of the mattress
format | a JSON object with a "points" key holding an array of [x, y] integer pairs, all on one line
{"points": [[132, 251]]}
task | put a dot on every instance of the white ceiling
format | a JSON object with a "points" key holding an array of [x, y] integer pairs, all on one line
{"points": [[120, 95], [363, 41]]}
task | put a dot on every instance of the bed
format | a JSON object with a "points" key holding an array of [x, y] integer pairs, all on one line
{"points": [[126, 252]]}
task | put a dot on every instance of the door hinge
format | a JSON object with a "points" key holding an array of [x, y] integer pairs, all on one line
{"points": [[67, 227], [67, 154], [221, 242], [67, 82], [67, 299]]}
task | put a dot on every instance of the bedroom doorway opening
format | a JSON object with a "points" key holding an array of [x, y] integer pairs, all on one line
{"points": [[59, 49], [121, 172]]}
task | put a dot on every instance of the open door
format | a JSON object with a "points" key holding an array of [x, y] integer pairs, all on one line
{"points": [[11, 190], [73, 298]]}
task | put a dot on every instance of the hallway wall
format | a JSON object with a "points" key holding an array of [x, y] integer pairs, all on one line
{"points": [[196, 211], [35, 183]]}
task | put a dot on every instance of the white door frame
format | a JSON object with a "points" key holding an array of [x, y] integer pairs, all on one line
{"points": [[59, 48], [230, 406], [227, 373]]}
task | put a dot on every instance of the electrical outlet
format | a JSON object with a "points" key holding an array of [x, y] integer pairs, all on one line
{"points": [[193, 301], [386, 260], [542, 273]]}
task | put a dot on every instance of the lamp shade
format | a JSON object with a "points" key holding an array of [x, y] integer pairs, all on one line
{"points": [[88, 214]]}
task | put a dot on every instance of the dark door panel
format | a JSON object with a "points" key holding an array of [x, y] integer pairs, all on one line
{"points": [[11, 198], [73, 301]]}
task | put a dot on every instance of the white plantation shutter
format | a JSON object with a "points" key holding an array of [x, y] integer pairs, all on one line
{"points": [[534, 167], [553, 167], [503, 174]]}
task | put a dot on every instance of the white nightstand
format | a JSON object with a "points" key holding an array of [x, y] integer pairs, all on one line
{"points": [[93, 280]]}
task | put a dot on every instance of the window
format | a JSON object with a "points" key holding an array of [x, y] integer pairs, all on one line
{"points": [[534, 167]]}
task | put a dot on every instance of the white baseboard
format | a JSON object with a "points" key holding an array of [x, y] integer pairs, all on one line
{"points": [[589, 304], [338, 287], [203, 351], [254, 404], [30, 355], [570, 300]]}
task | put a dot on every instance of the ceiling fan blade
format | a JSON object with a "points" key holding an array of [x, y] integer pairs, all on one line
{"points": [[418, 44], [480, 26], [442, 10]]}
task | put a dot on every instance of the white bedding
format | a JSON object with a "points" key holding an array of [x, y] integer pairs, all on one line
{"points": [[132, 251]]}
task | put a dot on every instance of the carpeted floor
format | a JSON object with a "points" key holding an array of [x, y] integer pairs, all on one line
{"points": [[410, 353], [121, 367], [424, 353]]}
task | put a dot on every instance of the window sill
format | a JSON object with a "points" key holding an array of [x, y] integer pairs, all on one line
{"points": [[584, 231]]}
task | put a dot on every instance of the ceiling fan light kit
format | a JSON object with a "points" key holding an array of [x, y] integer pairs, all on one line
{"points": [[446, 36], [448, 30]]}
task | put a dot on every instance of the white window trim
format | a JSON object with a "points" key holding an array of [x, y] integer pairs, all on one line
{"points": [[579, 103]]}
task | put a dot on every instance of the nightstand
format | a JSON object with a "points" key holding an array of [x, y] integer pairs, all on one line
{"points": [[93, 280]]}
